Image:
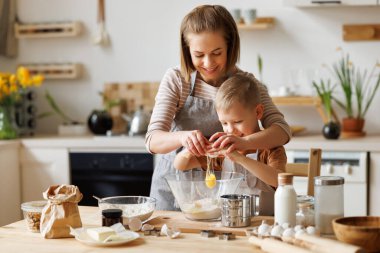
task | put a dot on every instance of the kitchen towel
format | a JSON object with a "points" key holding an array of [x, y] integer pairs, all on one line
{"points": [[8, 42]]}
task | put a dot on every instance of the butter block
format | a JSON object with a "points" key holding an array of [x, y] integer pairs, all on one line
{"points": [[101, 233]]}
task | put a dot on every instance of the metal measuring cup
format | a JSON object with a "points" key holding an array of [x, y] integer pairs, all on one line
{"points": [[236, 210]]}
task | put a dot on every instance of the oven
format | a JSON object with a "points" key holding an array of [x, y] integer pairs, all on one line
{"points": [[353, 166], [110, 173]]}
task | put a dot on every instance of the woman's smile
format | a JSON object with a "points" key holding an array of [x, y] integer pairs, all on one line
{"points": [[209, 55]]}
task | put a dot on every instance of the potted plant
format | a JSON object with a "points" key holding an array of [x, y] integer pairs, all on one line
{"points": [[331, 129], [359, 88]]}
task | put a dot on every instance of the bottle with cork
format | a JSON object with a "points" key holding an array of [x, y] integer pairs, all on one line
{"points": [[285, 200]]}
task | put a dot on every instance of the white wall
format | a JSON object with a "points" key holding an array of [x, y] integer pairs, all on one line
{"points": [[145, 43]]}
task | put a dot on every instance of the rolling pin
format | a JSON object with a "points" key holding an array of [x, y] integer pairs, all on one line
{"points": [[274, 246], [324, 245]]}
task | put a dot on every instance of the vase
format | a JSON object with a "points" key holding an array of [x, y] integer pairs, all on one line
{"points": [[7, 127], [331, 130], [99, 122], [353, 125]]}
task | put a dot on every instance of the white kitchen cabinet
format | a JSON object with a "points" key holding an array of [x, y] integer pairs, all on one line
{"points": [[41, 168], [10, 195], [327, 3], [374, 184]]}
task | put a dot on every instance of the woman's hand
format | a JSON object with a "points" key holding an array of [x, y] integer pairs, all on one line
{"points": [[194, 142], [229, 142]]}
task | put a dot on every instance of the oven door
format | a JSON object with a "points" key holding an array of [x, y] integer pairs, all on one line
{"points": [[106, 174]]}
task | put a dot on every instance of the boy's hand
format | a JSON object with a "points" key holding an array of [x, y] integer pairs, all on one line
{"points": [[228, 141], [235, 156]]}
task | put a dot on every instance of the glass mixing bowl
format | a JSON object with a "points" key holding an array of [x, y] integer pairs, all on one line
{"points": [[195, 199]]}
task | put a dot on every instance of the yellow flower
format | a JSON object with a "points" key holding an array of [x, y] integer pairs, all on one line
{"points": [[12, 80], [13, 88], [5, 90], [37, 80], [12, 85], [23, 76]]}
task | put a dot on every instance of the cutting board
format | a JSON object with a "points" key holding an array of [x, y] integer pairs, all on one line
{"points": [[131, 96], [178, 220]]}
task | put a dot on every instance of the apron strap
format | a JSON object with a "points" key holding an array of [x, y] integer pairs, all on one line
{"points": [[193, 77]]}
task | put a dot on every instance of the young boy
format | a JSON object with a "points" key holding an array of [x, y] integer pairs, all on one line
{"points": [[239, 109]]}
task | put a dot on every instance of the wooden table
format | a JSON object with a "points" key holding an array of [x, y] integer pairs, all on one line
{"points": [[16, 238]]}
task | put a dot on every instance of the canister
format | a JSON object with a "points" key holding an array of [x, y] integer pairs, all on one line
{"points": [[236, 210], [329, 201]]}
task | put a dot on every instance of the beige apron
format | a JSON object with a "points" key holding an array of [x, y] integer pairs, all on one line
{"points": [[196, 114]]}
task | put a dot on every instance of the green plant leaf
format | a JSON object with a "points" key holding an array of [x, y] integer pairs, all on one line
{"points": [[45, 114], [56, 108], [260, 66]]}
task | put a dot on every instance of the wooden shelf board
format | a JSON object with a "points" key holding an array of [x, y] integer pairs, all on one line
{"points": [[305, 101], [297, 100], [361, 32], [47, 30], [262, 23]]}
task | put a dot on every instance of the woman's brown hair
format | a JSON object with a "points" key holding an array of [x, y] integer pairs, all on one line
{"points": [[209, 18]]}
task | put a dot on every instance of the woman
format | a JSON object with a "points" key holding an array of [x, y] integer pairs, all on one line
{"points": [[184, 114]]}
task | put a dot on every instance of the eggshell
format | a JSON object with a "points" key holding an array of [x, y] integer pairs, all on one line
{"points": [[277, 231], [298, 227], [312, 230], [263, 228], [289, 232], [135, 224]]}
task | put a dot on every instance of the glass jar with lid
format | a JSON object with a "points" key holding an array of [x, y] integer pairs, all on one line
{"points": [[329, 201], [305, 214]]}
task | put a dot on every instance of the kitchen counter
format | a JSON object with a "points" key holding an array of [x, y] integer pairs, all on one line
{"points": [[15, 238], [368, 143], [89, 141]]}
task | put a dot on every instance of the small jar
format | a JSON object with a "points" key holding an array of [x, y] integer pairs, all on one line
{"points": [[111, 216], [305, 215], [329, 202], [32, 214]]}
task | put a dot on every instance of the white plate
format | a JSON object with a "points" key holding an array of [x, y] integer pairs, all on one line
{"points": [[85, 239]]}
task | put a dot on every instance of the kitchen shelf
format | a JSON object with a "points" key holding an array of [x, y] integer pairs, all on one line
{"points": [[329, 3], [47, 30], [305, 101], [262, 23], [55, 70], [361, 32]]}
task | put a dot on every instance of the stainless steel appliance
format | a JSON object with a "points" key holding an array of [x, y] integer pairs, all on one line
{"points": [[107, 174], [353, 166]]}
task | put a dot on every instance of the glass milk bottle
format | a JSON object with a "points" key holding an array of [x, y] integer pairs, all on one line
{"points": [[329, 203], [285, 200]]}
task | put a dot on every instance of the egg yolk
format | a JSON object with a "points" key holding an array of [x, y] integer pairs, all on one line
{"points": [[210, 181]]}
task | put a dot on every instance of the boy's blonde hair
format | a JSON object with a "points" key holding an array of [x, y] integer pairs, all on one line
{"points": [[210, 18], [238, 88]]}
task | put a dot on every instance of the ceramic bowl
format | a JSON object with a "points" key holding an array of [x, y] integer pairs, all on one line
{"points": [[363, 231], [132, 206]]}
